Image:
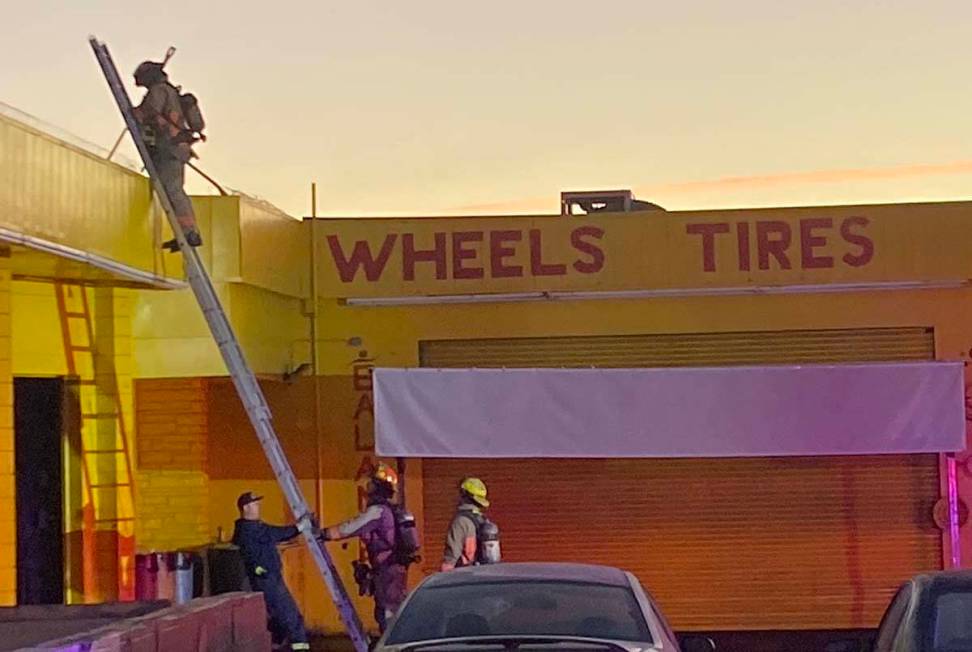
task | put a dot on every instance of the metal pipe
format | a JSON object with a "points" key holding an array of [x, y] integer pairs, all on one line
{"points": [[209, 179], [315, 371], [114, 148], [675, 293], [955, 541], [401, 481]]}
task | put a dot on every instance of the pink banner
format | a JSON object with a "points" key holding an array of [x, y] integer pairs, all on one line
{"points": [[685, 412]]}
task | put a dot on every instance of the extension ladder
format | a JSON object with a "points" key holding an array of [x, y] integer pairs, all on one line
{"points": [[243, 378]]}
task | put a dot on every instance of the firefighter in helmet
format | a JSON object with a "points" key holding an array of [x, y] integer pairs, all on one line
{"points": [[169, 140], [462, 538], [385, 574]]}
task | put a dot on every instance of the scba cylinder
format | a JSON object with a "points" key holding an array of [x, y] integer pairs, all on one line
{"points": [[489, 538]]}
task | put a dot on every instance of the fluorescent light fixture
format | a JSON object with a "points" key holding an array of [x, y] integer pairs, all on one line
{"points": [[744, 290]]}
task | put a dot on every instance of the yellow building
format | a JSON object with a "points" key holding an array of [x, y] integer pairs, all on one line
{"points": [[155, 446]]}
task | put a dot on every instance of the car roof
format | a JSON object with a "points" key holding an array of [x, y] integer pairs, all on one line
{"points": [[556, 572], [945, 579]]}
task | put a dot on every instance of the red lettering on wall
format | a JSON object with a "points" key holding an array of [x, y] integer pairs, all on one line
{"points": [[809, 242], [595, 253], [498, 252], [537, 266], [361, 257], [708, 232], [460, 253], [361, 382], [411, 255], [866, 245], [365, 406], [767, 246], [742, 237]]}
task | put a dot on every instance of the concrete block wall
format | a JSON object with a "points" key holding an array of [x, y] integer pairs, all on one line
{"points": [[172, 486]]}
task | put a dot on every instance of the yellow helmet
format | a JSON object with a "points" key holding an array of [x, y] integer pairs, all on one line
{"points": [[476, 490]]}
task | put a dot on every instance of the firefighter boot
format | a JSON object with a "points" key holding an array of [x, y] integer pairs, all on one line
{"points": [[192, 237]]}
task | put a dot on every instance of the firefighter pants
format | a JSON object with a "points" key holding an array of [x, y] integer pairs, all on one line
{"points": [[286, 623], [172, 174], [390, 589]]}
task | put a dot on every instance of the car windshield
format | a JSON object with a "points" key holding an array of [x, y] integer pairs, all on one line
{"points": [[521, 608], [952, 630]]}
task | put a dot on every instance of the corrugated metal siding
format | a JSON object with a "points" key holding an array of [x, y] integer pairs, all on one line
{"points": [[56, 191], [768, 543], [684, 350]]}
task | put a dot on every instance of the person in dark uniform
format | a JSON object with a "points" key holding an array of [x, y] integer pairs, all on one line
{"points": [[258, 547]]}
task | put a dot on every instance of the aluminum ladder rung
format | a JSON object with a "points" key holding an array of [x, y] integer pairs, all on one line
{"points": [[243, 378]]}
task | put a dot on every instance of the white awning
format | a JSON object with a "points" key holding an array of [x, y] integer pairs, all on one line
{"points": [[683, 412]]}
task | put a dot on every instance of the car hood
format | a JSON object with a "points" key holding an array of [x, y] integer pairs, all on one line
{"points": [[551, 642]]}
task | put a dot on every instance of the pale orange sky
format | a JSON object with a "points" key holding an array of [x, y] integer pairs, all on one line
{"points": [[439, 107]]}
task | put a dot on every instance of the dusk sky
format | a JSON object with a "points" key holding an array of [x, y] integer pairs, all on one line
{"points": [[446, 107]]}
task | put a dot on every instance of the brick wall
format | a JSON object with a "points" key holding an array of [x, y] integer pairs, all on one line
{"points": [[8, 517], [171, 417]]}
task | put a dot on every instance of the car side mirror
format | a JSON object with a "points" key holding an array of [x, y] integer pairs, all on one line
{"points": [[697, 644]]}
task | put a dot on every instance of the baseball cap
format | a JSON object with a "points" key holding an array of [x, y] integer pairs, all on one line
{"points": [[247, 498]]}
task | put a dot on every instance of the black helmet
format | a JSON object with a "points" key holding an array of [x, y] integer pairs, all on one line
{"points": [[149, 72]]}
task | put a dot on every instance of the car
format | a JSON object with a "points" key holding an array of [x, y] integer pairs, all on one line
{"points": [[531, 607], [929, 613]]}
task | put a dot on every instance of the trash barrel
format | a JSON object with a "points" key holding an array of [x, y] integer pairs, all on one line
{"points": [[183, 584], [226, 570], [146, 577], [166, 576]]}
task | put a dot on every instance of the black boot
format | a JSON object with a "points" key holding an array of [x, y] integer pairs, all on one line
{"points": [[192, 237]]}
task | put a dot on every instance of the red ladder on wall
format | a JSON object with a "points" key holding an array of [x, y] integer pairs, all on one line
{"points": [[107, 477]]}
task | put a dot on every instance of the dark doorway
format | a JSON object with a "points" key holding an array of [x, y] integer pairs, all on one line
{"points": [[38, 428]]}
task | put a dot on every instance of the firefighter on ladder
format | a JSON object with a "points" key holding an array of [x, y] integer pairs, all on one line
{"points": [[169, 139]]}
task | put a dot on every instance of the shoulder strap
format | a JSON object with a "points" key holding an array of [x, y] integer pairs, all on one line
{"points": [[475, 517]]}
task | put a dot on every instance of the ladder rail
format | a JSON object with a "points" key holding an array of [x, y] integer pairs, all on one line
{"points": [[122, 490], [243, 378], [113, 391]]}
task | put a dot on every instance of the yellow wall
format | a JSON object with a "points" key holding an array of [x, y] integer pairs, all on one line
{"points": [[250, 241], [259, 270], [54, 191], [644, 251], [38, 347], [172, 339], [8, 516]]}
